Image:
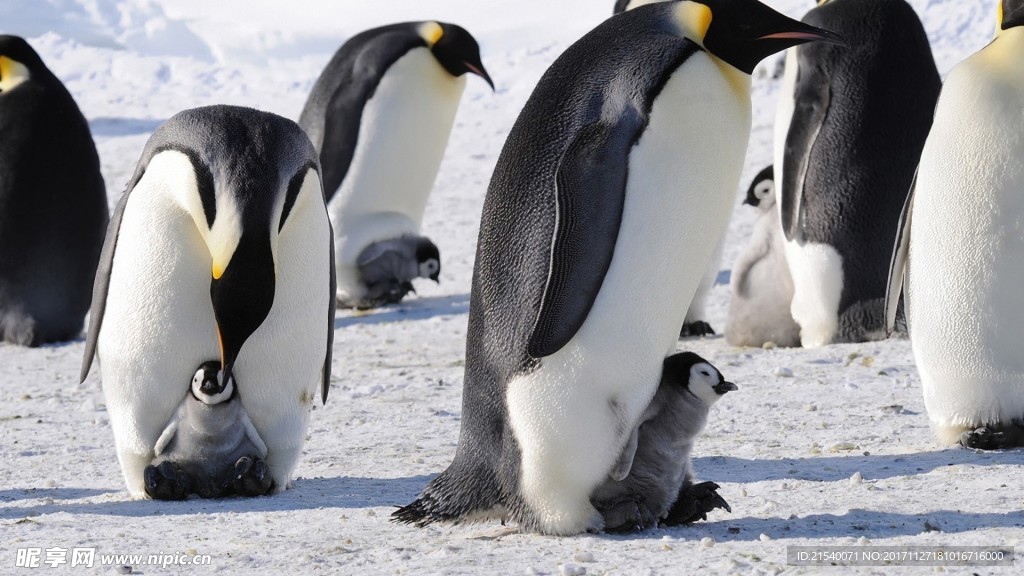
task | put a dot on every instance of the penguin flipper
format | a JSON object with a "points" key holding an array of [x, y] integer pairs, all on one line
{"points": [[101, 285], [253, 435], [813, 96], [332, 307], [167, 435], [625, 462], [590, 194], [898, 264]]}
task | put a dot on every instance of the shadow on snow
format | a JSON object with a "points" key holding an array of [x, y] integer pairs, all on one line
{"points": [[410, 309]]}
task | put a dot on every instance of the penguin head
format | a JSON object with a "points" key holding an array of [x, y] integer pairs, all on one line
{"points": [[761, 193], [455, 49], [428, 257], [238, 173], [208, 387], [688, 371], [1010, 14], [17, 62], [744, 32]]}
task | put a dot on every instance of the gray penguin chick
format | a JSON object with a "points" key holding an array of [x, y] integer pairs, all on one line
{"points": [[653, 478], [388, 267], [210, 447]]}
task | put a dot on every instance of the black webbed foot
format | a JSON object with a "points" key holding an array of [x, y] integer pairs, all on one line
{"points": [[250, 477], [694, 503], [698, 328], [984, 438], [166, 481], [627, 516]]}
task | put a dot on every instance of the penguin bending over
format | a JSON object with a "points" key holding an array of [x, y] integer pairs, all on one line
{"points": [[572, 309], [388, 267], [221, 247], [653, 479], [380, 116], [53, 204], [762, 288], [959, 252], [848, 134], [210, 446]]}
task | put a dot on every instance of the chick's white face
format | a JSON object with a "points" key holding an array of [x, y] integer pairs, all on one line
{"points": [[203, 375], [764, 191], [703, 378], [429, 268]]}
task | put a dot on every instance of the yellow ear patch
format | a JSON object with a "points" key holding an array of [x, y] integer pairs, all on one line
{"points": [[694, 19], [999, 17], [12, 73], [431, 32]]}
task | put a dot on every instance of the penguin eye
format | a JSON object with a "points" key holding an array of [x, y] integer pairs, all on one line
{"points": [[705, 372]]}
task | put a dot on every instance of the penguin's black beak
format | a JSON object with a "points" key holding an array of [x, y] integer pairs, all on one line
{"points": [[723, 387], [748, 202], [478, 69], [242, 297]]}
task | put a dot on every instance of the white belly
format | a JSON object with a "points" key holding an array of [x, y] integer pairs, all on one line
{"points": [[684, 173], [966, 259], [402, 137]]}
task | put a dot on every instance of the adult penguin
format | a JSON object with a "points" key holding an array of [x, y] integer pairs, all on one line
{"points": [[219, 249], [961, 264], [380, 116], [848, 134], [53, 204], [573, 309]]}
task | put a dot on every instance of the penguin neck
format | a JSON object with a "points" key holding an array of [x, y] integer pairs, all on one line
{"points": [[1002, 55], [738, 80]]}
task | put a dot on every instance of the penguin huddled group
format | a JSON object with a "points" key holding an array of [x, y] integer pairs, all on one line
{"points": [[214, 290]]}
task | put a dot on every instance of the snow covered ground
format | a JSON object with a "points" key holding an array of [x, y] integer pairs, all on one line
{"points": [[819, 447]]}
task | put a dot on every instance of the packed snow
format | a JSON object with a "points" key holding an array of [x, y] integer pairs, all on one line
{"points": [[819, 447]]}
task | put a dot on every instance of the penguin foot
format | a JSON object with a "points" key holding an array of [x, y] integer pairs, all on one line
{"points": [[984, 438], [626, 516], [166, 481], [694, 503], [250, 477], [698, 328]]}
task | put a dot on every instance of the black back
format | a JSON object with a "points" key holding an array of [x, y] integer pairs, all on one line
{"points": [[1013, 14], [861, 118], [620, 6], [53, 206], [567, 153]]}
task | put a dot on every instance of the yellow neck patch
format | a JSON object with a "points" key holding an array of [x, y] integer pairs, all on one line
{"points": [[431, 32], [694, 20], [12, 73], [999, 17]]}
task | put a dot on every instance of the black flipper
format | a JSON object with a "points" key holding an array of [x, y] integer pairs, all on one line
{"points": [[102, 282], [898, 264], [813, 94], [591, 193], [332, 307]]}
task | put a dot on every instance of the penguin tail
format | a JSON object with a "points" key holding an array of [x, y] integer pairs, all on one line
{"points": [[445, 499]]}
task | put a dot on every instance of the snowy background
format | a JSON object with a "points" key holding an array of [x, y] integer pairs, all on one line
{"points": [[819, 447]]}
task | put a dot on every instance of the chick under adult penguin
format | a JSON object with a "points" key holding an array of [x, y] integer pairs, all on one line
{"points": [[959, 256], [572, 309], [380, 116], [220, 248], [848, 134], [53, 204]]}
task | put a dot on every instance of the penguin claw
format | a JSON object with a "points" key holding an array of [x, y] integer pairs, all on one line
{"points": [[694, 503], [250, 477], [166, 481], [698, 328], [983, 438]]}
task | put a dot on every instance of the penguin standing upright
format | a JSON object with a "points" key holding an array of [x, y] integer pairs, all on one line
{"points": [[961, 265], [379, 116], [625, 158], [762, 288], [848, 133], [220, 248], [53, 204]]}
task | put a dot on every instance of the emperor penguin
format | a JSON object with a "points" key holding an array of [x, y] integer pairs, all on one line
{"points": [[380, 116], [53, 204], [652, 481], [220, 248], [761, 286], [849, 130], [694, 324], [210, 447], [961, 265], [572, 307]]}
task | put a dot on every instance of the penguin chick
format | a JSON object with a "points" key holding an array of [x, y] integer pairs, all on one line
{"points": [[761, 285], [653, 478], [210, 446], [388, 267]]}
